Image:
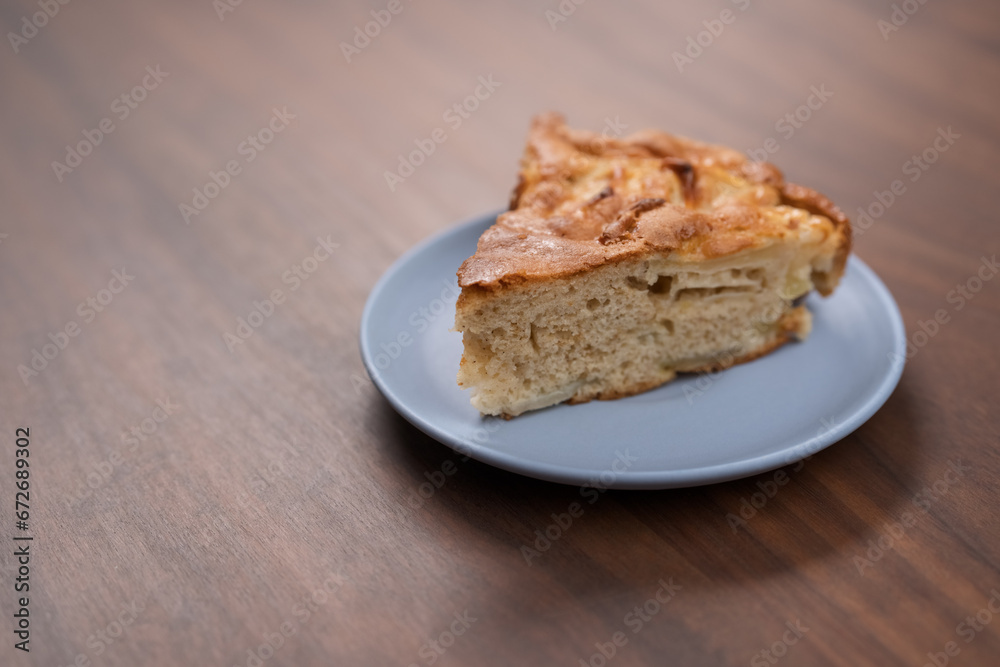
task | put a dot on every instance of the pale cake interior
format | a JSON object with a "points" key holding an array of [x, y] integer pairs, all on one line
{"points": [[632, 325]]}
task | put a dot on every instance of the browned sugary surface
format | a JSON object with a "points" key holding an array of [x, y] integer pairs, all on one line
{"points": [[584, 200]]}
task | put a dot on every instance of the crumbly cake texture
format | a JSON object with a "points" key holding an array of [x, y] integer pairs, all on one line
{"points": [[623, 262]]}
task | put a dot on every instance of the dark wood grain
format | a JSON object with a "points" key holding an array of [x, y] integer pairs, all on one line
{"points": [[280, 489]]}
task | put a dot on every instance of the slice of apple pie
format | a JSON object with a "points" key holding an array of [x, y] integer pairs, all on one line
{"points": [[623, 262]]}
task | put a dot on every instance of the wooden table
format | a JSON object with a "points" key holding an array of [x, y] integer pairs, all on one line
{"points": [[166, 167]]}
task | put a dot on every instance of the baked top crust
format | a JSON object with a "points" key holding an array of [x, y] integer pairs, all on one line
{"points": [[584, 200]]}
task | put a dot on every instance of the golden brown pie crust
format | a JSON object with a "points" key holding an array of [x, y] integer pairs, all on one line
{"points": [[583, 200]]}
